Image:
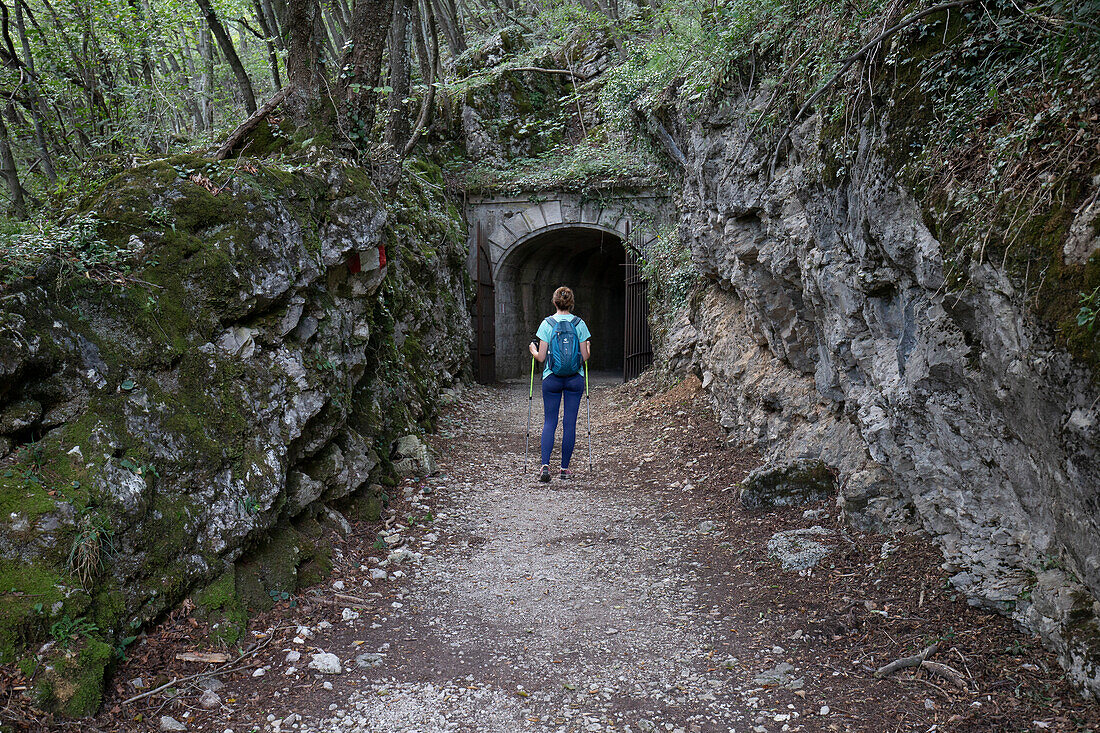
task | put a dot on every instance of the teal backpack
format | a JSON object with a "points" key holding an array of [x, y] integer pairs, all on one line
{"points": [[564, 353]]}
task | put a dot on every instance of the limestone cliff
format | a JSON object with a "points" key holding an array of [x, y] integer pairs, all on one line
{"points": [[826, 329], [270, 341]]}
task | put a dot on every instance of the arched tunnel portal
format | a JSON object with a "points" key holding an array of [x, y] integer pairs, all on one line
{"points": [[591, 261], [523, 247]]}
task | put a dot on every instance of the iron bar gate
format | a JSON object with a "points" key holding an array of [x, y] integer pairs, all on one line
{"points": [[637, 348], [485, 315]]}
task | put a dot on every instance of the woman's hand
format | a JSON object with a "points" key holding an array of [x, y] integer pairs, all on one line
{"points": [[534, 351]]}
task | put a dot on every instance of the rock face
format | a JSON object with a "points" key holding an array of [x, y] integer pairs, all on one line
{"points": [[271, 345], [826, 331]]}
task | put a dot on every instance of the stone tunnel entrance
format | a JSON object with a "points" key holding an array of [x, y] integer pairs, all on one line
{"points": [[521, 252], [591, 262]]}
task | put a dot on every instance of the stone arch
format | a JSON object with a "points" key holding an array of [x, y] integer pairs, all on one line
{"points": [[515, 230], [588, 259], [533, 240]]}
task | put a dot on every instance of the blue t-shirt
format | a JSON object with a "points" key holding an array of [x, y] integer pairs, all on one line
{"points": [[545, 332]]}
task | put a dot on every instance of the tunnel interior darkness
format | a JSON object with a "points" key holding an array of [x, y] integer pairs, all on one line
{"points": [[590, 261]]}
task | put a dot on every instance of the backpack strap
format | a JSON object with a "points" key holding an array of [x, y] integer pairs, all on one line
{"points": [[575, 321], [549, 321]]}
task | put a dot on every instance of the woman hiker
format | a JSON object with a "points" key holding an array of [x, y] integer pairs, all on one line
{"points": [[563, 345]]}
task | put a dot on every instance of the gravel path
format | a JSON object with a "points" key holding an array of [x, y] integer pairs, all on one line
{"points": [[639, 597], [568, 606]]}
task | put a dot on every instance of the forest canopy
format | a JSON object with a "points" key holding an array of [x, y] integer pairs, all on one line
{"points": [[92, 86]]}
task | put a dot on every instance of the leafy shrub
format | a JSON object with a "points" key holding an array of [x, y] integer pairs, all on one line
{"points": [[75, 245]]}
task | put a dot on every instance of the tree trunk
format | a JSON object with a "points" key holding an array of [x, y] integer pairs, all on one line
{"points": [[269, 39], [397, 129], [337, 29], [427, 107], [273, 23], [304, 71], [11, 173], [206, 79], [343, 12], [446, 13], [326, 50], [370, 23], [192, 105], [230, 53], [37, 110]]}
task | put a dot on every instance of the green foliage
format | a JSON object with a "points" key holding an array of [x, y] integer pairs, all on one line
{"points": [[1090, 308], [589, 163], [1004, 96], [68, 631], [76, 246], [92, 546], [249, 505]]}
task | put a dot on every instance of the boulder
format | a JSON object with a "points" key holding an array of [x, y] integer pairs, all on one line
{"points": [[412, 457], [796, 550], [801, 481], [326, 663]]}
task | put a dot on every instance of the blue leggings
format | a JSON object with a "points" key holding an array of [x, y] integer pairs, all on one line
{"points": [[553, 387]]}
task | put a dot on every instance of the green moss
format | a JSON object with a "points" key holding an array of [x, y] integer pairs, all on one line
{"points": [[72, 682], [108, 604], [23, 590], [219, 605], [366, 506], [800, 482], [25, 492]]}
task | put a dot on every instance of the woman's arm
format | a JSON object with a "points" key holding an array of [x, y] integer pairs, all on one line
{"points": [[540, 352], [586, 349]]}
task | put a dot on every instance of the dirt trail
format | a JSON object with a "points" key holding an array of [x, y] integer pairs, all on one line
{"points": [[631, 599]]}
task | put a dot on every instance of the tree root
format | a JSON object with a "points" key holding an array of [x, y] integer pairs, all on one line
{"points": [[914, 661], [933, 668]]}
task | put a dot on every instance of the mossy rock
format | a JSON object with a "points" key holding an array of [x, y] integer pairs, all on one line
{"points": [[293, 557], [801, 481], [219, 606], [70, 681], [27, 593], [365, 506]]}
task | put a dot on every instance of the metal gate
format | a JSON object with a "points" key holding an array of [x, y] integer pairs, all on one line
{"points": [[637, 349], [484, 315]]}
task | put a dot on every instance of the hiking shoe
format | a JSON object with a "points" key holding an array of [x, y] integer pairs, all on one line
{"points": [[545, 475], [566, 474]]}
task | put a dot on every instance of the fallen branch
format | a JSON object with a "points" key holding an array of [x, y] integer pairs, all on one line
{"points": [[250, 124], [353, 599], [544, 70], [201, 675], [914, 661], [666, 139], [948, 673]]}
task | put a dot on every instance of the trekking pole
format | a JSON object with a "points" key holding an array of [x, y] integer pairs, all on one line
{"points": [[530, 395], [588, 402]]}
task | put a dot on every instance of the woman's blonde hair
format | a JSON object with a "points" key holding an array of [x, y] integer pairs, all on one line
{"points": [[563, 299]]}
